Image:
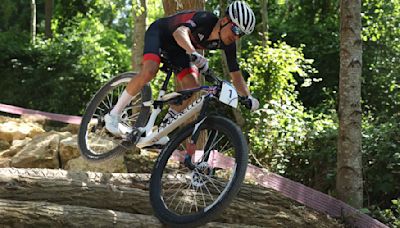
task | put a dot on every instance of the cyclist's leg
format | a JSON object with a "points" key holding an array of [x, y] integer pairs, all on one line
{"points": [[150, 66], [187, 78]]}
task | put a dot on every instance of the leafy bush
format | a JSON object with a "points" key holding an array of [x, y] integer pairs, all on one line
{"points": [[301, 144], [381, 161], [276, 129], [389, 216], [60, 75]]}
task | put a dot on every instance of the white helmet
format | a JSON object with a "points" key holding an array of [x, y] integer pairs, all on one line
{"points": [[241, 14]]}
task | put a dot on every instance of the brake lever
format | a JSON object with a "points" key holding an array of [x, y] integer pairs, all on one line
{"points": [[209, 74]]}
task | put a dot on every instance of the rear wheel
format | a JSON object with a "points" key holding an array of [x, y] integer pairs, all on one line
{"points": [[183, 196], [95, 142]]}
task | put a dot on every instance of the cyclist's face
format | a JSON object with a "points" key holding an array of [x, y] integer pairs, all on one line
{"points": [[229, 32]]}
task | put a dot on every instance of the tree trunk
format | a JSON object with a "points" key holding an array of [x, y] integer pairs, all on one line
{"points": [[265, 26], [349, 158], [44, 214], [139, 11], [48, 15], [33, 20], [225, 69], [129, 193], [173, 6]]}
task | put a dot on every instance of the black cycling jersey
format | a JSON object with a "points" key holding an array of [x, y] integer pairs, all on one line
{"points": [[201, 23]]}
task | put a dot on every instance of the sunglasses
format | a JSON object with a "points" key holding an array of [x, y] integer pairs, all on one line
{"points": [[236, 30]]}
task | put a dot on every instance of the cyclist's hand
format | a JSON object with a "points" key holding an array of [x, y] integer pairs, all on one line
{"points": [[200, 61], [255, 104]]}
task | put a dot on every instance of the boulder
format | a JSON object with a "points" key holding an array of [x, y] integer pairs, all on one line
{"points": [[4, 145], [73, 128], [40, 152], [5, 162], [68, 150], [14, 129], [16, 146]]}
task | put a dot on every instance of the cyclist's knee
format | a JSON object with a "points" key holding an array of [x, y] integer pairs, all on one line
{"points": [[188, 74], [149, 71], [188, 80]]}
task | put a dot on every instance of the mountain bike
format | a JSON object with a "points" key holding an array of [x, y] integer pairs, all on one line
{"points": [[201, 166]]}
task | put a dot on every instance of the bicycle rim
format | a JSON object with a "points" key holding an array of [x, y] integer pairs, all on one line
{"points": [[194, 196], [95, 142]]}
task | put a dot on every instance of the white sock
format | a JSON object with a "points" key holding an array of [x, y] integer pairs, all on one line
{"points": [[123, 101]]}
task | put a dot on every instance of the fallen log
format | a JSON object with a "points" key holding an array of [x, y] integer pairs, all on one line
{"points": [[254, 205], [44, 214]]}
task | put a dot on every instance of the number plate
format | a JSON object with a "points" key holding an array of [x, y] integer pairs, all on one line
{"points": [[229, 95]]}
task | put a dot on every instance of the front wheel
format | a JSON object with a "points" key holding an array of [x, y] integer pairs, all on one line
{"points": [[94, 141], [183, 195]]}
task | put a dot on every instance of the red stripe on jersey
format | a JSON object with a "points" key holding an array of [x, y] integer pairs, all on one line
{"points": [[185, 17]]}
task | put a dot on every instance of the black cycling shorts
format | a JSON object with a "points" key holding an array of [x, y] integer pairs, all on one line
{"points": [[156, 39]]}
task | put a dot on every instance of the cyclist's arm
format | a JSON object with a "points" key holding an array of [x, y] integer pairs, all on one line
{"points": [[239, 83], [182, 37]]}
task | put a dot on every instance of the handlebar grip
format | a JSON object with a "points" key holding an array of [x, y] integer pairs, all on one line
{"points": [[245, 101], [192, 57]]}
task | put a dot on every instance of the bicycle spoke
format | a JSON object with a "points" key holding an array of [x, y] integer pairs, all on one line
{"points": [[186, 191]]}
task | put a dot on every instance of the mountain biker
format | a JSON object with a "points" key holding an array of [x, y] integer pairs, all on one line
{"points": [[179, 36]]}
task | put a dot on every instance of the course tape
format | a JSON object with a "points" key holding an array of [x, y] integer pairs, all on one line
{"points": [[51, 116], [307, 196]]}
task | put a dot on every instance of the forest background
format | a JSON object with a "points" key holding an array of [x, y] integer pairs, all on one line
{"points": [[291, 64]]}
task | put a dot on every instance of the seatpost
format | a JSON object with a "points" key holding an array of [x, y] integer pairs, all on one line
{"points": [[165, 84]]}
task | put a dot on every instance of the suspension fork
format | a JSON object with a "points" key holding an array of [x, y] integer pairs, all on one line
{"points": [[191, 145]]}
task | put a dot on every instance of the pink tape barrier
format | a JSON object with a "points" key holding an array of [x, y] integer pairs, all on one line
{"points": [[307, 196], [48, 115]]}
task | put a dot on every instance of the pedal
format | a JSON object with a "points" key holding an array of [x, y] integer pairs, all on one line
{"points": [[133, 137]]}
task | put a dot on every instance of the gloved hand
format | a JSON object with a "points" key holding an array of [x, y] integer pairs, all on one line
{"points": [[199, 61], [255, 104]]}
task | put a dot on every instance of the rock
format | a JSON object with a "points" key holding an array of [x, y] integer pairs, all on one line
{"points": [[35, 118], [40, 152], [16, 146], [115, 165], [4, 145], [14, 130], [73, 128], [140, 163], [68, 150], [5, 162]]}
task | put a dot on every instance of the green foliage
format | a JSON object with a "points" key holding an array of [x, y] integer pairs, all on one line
{"points": [[273, 69], [381, 57], [313, 162], [60, 75], [15, 14], [390, 216], [276, 129], [314, 24], [381, 161]]}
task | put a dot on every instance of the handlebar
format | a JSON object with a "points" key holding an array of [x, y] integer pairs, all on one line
{"points": [[210, 77], [209, 74]]}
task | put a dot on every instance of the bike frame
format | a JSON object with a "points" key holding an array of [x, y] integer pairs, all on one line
{"points": [[152, 137]]}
